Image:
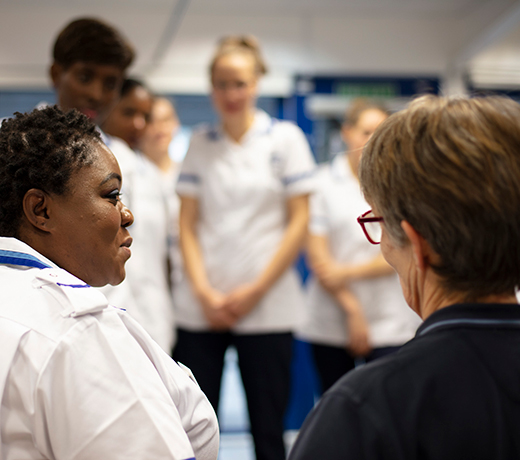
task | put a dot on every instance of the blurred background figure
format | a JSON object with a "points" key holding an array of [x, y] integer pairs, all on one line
{"points": [[356, 307], [130, 116], [161, 130], [441, 178], [155, 145], [148, 272], [244, 188], [90, 60]]}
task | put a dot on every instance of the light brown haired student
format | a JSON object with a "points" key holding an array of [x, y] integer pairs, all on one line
{"points": [[244, 188]]}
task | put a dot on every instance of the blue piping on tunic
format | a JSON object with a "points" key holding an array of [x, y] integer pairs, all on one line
{"points": [[21, 259]]}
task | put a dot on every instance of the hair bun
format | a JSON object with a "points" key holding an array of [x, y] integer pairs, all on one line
{"points": [[246, 41], [241, 43]]}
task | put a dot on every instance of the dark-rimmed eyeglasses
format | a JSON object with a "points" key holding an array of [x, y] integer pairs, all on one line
{"points": [[371, 226]]}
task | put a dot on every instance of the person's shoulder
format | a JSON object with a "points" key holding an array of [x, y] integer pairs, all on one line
{"points": [[125, 156], [323, 170], [285, 128], [387, 374], [49, 301], [265, 124], [357, 408], [114, 142], [322, 177], [326, 176], [148, 168], [360, 383], [404, 374]]}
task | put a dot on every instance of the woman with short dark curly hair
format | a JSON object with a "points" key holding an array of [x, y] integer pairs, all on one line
{"points": [[40, 152], [79, 379]]}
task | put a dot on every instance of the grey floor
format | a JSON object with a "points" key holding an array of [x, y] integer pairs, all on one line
{"points": [[237, 446]]}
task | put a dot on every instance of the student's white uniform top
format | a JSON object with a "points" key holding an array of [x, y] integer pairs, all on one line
{"points": [[145, 293], [82, 380], [242, 190], [334, 211], [169, 182]]}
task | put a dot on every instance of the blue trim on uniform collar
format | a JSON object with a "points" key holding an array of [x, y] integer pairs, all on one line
{"points": [[263, 130], [185, 177], [21, 259], [213, 134], [74, 285]]}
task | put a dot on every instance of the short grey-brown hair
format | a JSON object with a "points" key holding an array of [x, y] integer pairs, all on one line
{"points": [[451, 168]]}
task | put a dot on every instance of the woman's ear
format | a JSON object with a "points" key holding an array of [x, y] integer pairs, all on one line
{"points": [[423, 254], [35, 209], [55, 72]]}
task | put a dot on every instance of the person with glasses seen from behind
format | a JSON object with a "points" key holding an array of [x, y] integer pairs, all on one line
{"points": [[356, 311], [441, 178]]}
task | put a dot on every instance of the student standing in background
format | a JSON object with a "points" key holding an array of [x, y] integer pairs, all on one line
{"points": [[148, 271], [155, 145], [244, 188], [356, 307], [90, 59], [130, 116]]}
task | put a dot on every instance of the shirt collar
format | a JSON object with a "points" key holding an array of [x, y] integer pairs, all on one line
{"points": [[472, 315], [262, 124], [21, 251]]}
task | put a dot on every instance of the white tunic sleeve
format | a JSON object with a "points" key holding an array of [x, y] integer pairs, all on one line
{"points": [[100, 393], [298, 166], [197, 415], [80, 380]]}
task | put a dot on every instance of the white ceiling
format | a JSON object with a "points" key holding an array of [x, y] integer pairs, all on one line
{"points": [[175, 38]]}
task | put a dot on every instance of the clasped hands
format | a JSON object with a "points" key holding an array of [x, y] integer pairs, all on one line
{"points": [[223, 310]]}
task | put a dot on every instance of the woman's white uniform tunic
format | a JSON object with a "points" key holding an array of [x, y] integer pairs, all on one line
{"points": [[242, 190], [334, 211], [80, 379]]}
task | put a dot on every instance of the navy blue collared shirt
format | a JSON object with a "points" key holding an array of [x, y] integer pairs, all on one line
{"points": [[452, 392]]}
